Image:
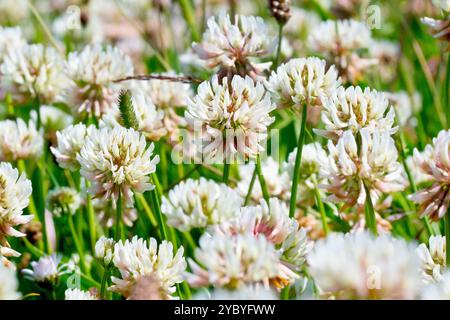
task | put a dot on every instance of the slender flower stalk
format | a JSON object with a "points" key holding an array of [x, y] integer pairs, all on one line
{"points": [[370, 212], [119, 209], [298, 160], [261, 179], [321, 207]]}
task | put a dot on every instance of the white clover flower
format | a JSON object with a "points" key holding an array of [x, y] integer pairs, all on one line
{"points": [[360, 266], [331, 37], [117, 160], [53, 118], [15, 192], [19, 140], [442, 4], [234, 261], [373, 164], [236, 46], [13, 12], [36, 70], [313, 157], [69, 142], [275, 224], [434, 161], [46, 269], [387, 53], [243, 293], [200, 203], [135, 259], [9, 286], [419, 175], [341, 42], [354, 109], [237, 111], [104, 249], [92, 72], [63, 200], [433, 259], [10, 39], [439, 290], [278, 183], [77, 294], [302, 80], [405, 106], [150, 120]]}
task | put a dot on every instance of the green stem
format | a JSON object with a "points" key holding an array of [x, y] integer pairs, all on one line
{"points": [[321, 207], [77, 242], [159, 215], [370, 212], [280, 38], [189, 16], [91, 222], [250, 187], [261, 179], [119, 209], [226, 172], [185, 176], [298, 159], [104, 282], [148, 211]]}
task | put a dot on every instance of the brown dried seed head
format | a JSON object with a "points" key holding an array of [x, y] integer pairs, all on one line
{"points": [[280, 10]]}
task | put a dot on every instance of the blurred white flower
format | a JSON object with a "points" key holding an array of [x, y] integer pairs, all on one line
{"points": [[69, 143], [341, 42], [302, 80], [104, 250], [106, 212], [92, 72], [387, 53], [13, 12], [419, 175], [237, 111], [63, 200], [77, 294], [10, 39], [442, 4], [255, 292], [19, 140], [9, 286], [360, 266], [53, 118], [405, 106], [135, 259], [439, 290], [200, 203], [433, 259], [117, 160], [374, 164], [234, 261], [435, 161], [354, 109], [47, 269], [15, 192], [278, 183], [236, 46], [36, 70]]}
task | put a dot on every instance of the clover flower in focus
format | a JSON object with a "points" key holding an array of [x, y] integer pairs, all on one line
{"points": [[302, 80], [237, 111], [117, 160], [234, 261], [47, 269], [373, 165], [354, 109], [277, 181], [9, 286], [77, 294], [135, 259], [15, 192], [435, 161], [63, 200], [433, 259], [360, 266], [200, 203], [69, 142], [235, 47], [19, 140], [341, 42], [37, 71], [92, 72]]}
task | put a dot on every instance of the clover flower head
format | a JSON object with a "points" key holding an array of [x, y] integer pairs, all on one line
{"points": [[433, 259]]}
